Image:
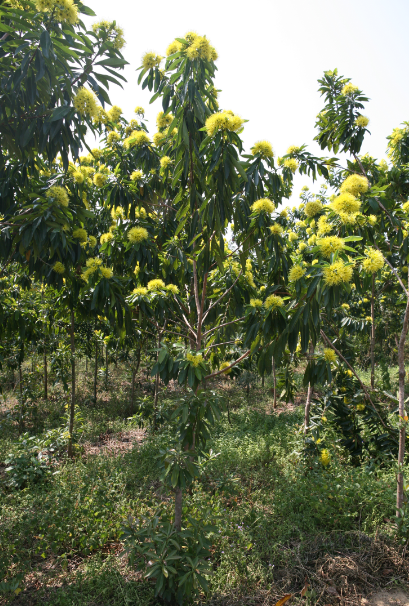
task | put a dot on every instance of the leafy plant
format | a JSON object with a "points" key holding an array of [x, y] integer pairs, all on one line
{"points": [[176, 560]]}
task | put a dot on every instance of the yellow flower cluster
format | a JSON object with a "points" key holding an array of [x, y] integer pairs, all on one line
{"points": [[59, 267], [114, 113], [80, 234], [291, 163], [137, 175], [345, 306], [263, 149], [117, 213], [374, 261], [330, 355], [345, 204], [296, 273], [372, 220], [348, 89], [58, 194], [165, 162], [162, 120], [263, 205], [106, 238], [136, 139], [85, 103], [174, 47], [194, 359], [150, 60], [140, 214], [273, 301], [312, 208], [256, 303], [362, 121], [92, 241], [200, 48], [225, 120], [113, 137], [325, 457], [106, 272], [139, 111], [312, 240], [159, 138], [137, 235], [156, 284], [368, 319], [355, 185], [93, 262], [337, 273], [114, 32], [276, 229], [292, 236], [141, 291], [99, 179], [293, 149], [224, 365], [172, 288], [63, 11], [330, 244], [323, 226]]}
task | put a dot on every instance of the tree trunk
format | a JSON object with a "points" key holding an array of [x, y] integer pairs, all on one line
{"points": [[96, 370], [106, 367], [45, 372], [155, 400], [275, 385], [262, 380], [134, 371], [373, 334], [178, 509], [72, 407], [402, 413], [309, 394], [22, 408]]}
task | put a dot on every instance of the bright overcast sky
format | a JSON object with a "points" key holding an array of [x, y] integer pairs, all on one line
{"points": [[271, 53]]}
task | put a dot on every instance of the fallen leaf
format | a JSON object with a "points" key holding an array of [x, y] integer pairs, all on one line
{"points": [[304, 589], [284, 599]]}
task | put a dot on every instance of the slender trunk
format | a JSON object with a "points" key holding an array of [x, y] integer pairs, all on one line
{"points": [[262, 380], [178, 509], [72, 407], [138, 361], [402, 413], [309, 394], [373, 334], [86, 365], [155, 399], [106, 366], [22, 410], [275, 385], [45, 371], [96, 370]]}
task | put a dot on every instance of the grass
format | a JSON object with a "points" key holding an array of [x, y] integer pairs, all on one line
{"points": [[279, 512]]}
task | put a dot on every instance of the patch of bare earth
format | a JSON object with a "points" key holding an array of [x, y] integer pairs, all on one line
{"points": [[393, 597], [115, 444]]}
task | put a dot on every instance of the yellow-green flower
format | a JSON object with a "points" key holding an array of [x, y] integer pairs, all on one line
{"points": [[59, 267], [273, 302], [106, 272], [348, 89], [156, 284], [362, 121], [141, 291], [330, 355], [137, 235], [263, 149], [106, 238], [150, 60], [85, 102], [194, 359], [291, 163], [256, 302], [58, 194], [296, 273], [172, 288], [80, 234], [276, 229], [263, 205], [325, 457], [355, 185], [312, 208], [224, 365], [330, 244], [374, 261], [337, 273]]}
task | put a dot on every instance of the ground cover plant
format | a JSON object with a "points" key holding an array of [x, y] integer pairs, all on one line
{"points": [[198, 401]]}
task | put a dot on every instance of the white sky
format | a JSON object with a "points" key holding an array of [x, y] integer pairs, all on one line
{"points": [[271, 53]]}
